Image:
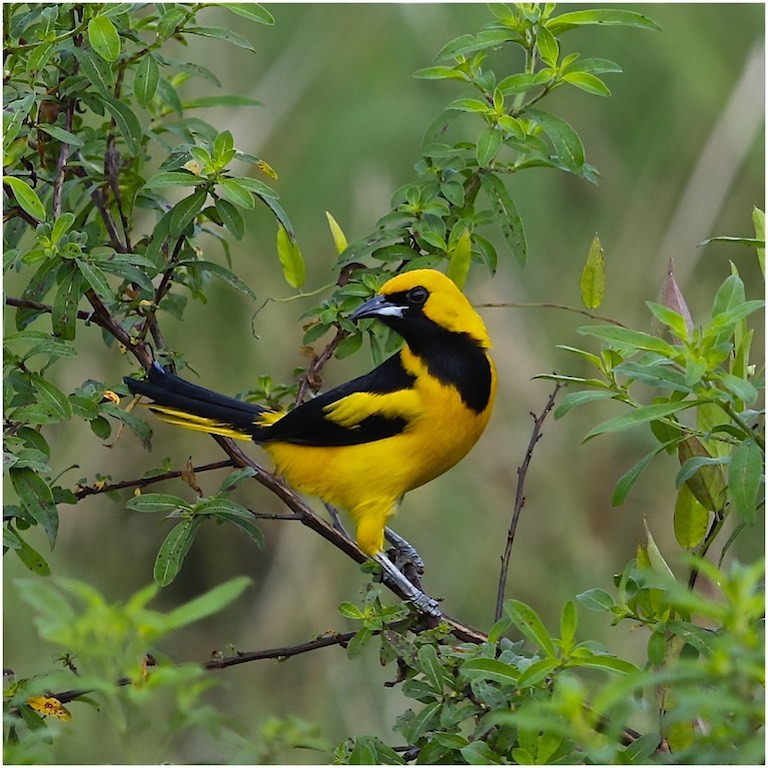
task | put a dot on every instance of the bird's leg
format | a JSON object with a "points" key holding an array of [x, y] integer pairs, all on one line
{"points": [[336, 519], [405, 557], [422, 601]]}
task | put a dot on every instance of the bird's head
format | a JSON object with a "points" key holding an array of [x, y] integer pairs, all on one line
{"points": [[422, 302]]}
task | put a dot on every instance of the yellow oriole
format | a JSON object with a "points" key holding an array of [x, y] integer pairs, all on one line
{"points": [[362, 445]]}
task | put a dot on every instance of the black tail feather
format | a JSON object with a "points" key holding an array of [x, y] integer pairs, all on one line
{"points": [[169, 391]]}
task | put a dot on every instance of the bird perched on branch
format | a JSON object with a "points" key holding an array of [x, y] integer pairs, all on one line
{"points": [[362, 445]]}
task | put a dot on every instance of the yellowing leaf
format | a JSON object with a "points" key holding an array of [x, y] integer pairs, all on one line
{"points": [[461, 257], [593, 276], [48, 705], [339, 238], [290, 258], [691, 519]]}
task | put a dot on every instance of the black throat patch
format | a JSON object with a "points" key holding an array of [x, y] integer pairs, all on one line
{"points": [[455, 359]]}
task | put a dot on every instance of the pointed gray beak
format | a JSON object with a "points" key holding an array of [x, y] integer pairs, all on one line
{"points": [[378, 306]]}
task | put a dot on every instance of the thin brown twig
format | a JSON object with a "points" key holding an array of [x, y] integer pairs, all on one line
{"points": [[61, 165], [141, 482], [522, 470], [548, 305], [312, 376]]}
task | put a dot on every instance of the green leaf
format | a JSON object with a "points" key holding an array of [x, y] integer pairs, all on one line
{"points": [[460, 259], [431, 668], [528, 622], [656, 559], [508, 218], [98, 72], [104, 39], [157, 502], [174, 549], [174, 179], [185, 211], [596, 600], [221, 100], [607, 663], [96, 278], [488, 144], [536, 672], [145, 79], [350, 611], [587, 82], [359, 642], [491, 669], [566, 142], [37, 499], [64, 310], [252, 11], [290, 257], [690, 519], [221, 33], [729, 295], [440, 73], [523, 82], [236, 193], [595, 66], [593, 276], [221, 272], [627, 339], [469, 105], [65, 137], [127, 123], [213, 601], [575, 399], [52, 398], [627, 480], [26, 197], [259, 188], [745, 473], [31, 558], [231, 218], [606, 17], [464, 44], [549, 48], [138, 426], [479, 753], [641, 415], [422, 721]]}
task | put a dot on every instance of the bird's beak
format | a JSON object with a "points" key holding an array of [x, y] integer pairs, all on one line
{"points": [[378, 306]]}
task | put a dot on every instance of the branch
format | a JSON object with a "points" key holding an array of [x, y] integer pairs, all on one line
{"points": [[311, 379], [307, 517], [548, 305], [522, 470], [91, 490]]}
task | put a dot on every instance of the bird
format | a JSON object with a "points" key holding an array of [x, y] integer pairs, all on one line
{"points": [[362, 445]]}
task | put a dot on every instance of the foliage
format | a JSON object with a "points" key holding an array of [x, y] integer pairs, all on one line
{"points": [[113, 192]]}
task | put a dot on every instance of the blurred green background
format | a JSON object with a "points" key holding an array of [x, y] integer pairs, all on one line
{"points": [[680, 150]]}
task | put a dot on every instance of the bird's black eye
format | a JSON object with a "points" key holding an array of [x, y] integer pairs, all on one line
{"points": [[417, 296]]}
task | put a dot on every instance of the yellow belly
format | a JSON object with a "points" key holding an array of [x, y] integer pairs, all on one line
{"points": [[368, 479]]}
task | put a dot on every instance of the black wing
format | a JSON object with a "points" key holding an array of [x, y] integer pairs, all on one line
{"points": [[307, 424]]}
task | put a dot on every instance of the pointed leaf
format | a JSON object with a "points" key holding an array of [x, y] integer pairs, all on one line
{"points": [[461, 258], [103, 37], [290, 257], [530, 625], [145, 80], [690, 519], [207, 604], [174, 549], [744, 476], [593, 276], [26, 197]]}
